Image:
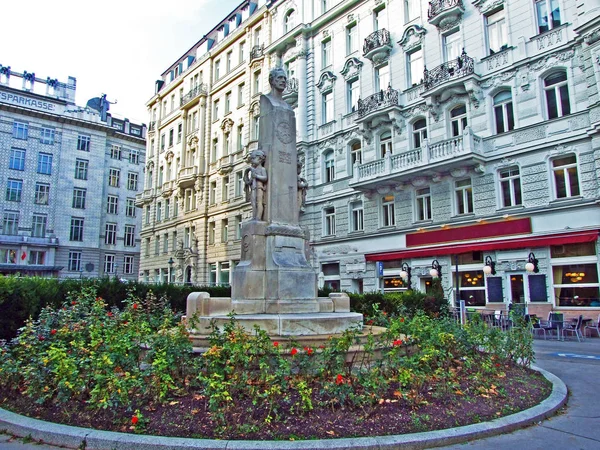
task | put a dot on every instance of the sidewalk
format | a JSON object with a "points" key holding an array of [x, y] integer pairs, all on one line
{"points": [[577, 364]]}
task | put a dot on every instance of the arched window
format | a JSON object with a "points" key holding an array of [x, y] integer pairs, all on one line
{"points": [[458, 119], [419, 132], [503, 112], [329, 166], [289, 21], [557, 95], [355, 153], [385, 143]]}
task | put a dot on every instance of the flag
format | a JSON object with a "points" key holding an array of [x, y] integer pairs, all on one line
{"points": [[23, 256]]}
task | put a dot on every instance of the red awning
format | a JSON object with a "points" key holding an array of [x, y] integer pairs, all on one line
{"points": [[575, 237]]}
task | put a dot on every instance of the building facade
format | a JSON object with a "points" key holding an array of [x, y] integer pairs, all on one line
{"points": [[451, 137], [56, 156]]}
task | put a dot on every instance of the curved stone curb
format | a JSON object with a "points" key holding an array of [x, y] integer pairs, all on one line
{"points": [[72, 437]]}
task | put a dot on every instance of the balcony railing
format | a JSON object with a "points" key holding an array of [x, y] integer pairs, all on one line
{"points": [[256, 52], [193, 93], [375, 40], [451, 70], [379, 100], [439, 6], [291, 87]]}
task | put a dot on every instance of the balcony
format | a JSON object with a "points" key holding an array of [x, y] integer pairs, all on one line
{"points": [[258, 51], [378, 46], [28, 240], [146, 196], [430, 159], [445, 13], [193, 94], [187, 176], [290, 94], [379, 100], [167, 188], [451, 70]]}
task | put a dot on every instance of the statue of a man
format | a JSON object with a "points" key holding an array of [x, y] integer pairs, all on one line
{"points": [[255, 179], [278, 83]]}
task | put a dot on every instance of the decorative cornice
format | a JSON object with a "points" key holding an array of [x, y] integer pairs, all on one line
{"points": [[326, 80], [351, 68], [412, 37]]}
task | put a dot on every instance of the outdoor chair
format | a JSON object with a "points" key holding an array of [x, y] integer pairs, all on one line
{"points": [[534, 326], [573, 328], [553, 324], [594, 326]]}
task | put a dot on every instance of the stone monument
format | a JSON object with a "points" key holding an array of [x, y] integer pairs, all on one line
{"points": [[274, 286]]}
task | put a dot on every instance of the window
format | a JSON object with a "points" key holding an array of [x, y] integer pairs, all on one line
{"points": [[83, 143], [423, 199], [217, 70], [115, 152], [503, 112], [211, 232], [510, 187], [47, 135], [382, 77], [224, 273], [81, 169], [224, 230], [134, 155], [240, 137], [329, 221], [472, 286], [497, 34], [547, 14], [147, 247], [228, 102], [329, 166], [242, 54], [171, 136], [289, 21], [385, 143], [452, 46], [129, 237], [228, 65], [109, 264], [38, 225], [212, 274], [79, 195], [415, 67], [20, 130], [110, 236], [257, 82], [419, 133], [240, 101], [113, 177], [351, 38], [331, 271], [130, 207], [163, 142], [112, 204], [411, 8], [132, 181], [352, 95], [167, 208], [74, 263], [128, 264], [14, 189], [215, 109], [326, 53], [557, 95], [458, 120], [379, 18], [388, 216], [212, 192], [226, 143], [166, 243], [255, 126], [76, 229], [355, 155], [17, 159], [239, 184], [324, 6], [238, 227], [11, 223], [158, 212], [566, 179], [189, 199], [37, 258], [8, 256], [148, 215], [327, 107], [44, 165], [356, 216], [464, 196], [225, 189], [42, 193], [214, 150]]}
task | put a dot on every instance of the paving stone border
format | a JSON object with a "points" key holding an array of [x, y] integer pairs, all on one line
{"points": [[72, 437]]}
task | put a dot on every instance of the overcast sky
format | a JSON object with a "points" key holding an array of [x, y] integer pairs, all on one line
{"points": [[115, 47]]}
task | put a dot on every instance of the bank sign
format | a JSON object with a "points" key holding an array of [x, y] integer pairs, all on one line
{"points": [[27, 102]]}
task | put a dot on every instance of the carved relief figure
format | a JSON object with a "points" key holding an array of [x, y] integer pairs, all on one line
{"points": [[255, 178], [302, 188]]}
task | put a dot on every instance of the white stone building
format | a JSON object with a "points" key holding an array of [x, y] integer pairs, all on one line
{"points": [[448, 133], [70, 176]]}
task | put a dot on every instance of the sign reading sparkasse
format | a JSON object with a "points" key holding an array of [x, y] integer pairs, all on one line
{"points": [[28, 102]]}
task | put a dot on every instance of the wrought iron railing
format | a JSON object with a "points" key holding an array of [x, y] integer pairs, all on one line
{"points": [[451, 70], [291, 87], [256, 52], [438, 6], [193, 93], [379, 100], [376, 39]]}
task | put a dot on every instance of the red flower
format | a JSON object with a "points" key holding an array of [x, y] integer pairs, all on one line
{"points": [[369, 322], [73, 303], [98, 299], [321, 346], [294, 351], [53, 331], [339, 379], [397, 342], [275, 344], [110, 314], [401, 319], [497, 364], [41, 338], [135, 306], [135, 420], [308, 350]]}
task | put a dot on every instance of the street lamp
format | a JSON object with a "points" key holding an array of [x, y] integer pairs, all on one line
{"points": [[532, 264], [170, 262], [405, 274], [490, 266], [436, 270]]}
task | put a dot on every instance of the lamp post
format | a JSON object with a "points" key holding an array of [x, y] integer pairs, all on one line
{"points": [[405, 275], [436, 270], [490, 266], [532, 264], [170, 262]]}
